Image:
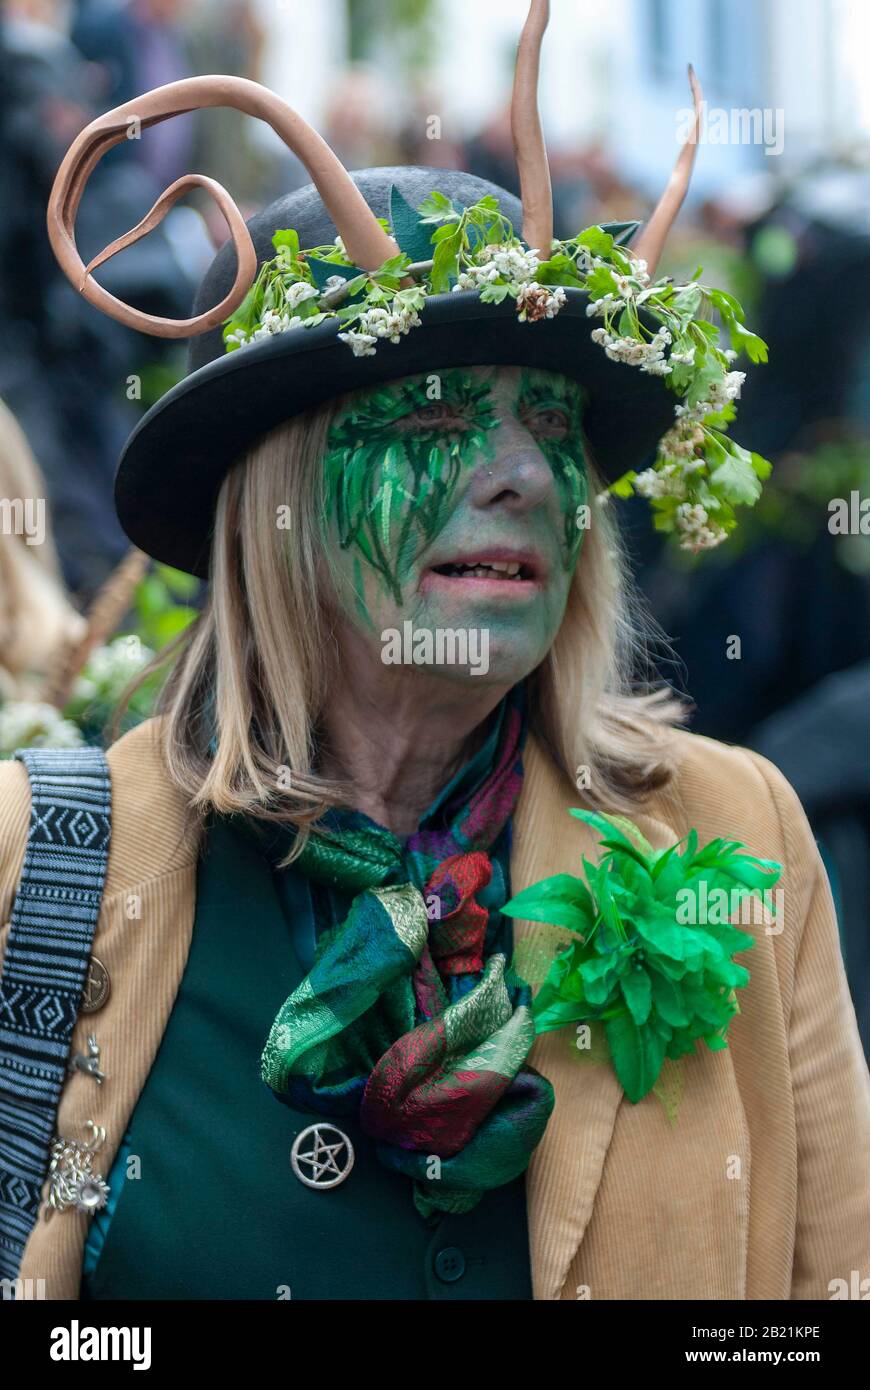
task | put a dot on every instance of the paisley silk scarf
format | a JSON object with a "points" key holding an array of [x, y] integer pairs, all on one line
{"points": [[405, 1020]]}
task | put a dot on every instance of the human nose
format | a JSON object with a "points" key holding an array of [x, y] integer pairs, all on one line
{"points": [[517, 476]]}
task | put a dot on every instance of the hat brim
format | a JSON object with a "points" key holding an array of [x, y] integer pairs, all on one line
{"points": [[174, 462]]}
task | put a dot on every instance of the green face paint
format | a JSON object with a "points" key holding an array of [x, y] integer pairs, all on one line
{"points": [[541, 392], [389, 486], [396, 458]]}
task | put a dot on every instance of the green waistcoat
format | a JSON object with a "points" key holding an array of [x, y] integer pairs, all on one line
{"points": [[204, 1201]]}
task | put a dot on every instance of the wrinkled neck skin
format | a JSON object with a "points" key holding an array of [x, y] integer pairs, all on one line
{"points": [[398, 735], [426, 480]]}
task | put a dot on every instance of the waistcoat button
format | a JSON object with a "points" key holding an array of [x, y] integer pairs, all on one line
{"points": [[449, 1264]]}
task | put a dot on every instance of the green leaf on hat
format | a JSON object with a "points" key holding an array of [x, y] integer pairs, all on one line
{"points": [[287, 236], [321, 271], [622, 232], [736, 479], [413, 235]]}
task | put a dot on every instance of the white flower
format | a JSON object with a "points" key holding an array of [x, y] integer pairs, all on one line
{"points": [[340, 246], [335, 282], [599, 307], [681, 439], [297, 294], [361, 344], [661, 482], [687, 357], [640, 272], [494, 262], [31, 725], [401, 321], [624, 286], [271, 323], [113, 666], [693, 412], [697, 532], [375, 322], [628, 350]]}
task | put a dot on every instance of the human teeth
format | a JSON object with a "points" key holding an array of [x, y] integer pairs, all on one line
{"points": [[485, 569], [508, 567]]}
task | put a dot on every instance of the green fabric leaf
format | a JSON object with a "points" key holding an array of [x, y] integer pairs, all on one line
{"points": [[637, 992], [599, 977], [614, 828], [321, 271], [622, 232], [668, 1000], [562, 900], [412, 234], [637, 1052], [663, 934]]}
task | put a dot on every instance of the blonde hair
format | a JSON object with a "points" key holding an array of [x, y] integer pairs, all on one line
{"points": [[37, 622], [242, 702]]}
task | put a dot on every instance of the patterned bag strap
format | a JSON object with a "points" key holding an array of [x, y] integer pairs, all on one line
{"points": [[45, 968]]}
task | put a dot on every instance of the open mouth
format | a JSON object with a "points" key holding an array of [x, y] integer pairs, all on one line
{"points": [[497, 573], [505, 570]]}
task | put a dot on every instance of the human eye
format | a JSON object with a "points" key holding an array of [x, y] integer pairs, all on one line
{"points": [[548, 421], [438, 415]]}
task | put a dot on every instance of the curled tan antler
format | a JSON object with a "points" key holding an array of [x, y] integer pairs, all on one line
{"points": [[368, 245], [529, 146], [650, 243]]}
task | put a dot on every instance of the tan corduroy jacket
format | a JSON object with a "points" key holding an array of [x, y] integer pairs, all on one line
{"points": [[759, 1189]]}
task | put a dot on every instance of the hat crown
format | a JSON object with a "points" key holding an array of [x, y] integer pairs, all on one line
{"points": [[303, 211]]}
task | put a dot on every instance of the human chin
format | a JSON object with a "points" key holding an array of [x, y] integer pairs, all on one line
{"points": [[514, 618]]}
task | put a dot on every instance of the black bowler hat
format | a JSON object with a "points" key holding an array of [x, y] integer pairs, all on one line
{"points": [[174, 463]]}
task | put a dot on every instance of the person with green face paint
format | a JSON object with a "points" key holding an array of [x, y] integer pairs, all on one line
{"points": [[458, 502], [390, 898]]}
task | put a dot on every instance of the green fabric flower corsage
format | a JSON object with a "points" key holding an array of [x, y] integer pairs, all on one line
{"points": [[652, 954]]}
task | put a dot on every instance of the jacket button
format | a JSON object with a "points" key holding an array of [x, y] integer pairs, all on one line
{"points": [[449, 1264]]}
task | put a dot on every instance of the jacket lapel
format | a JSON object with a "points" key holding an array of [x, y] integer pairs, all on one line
{"points": [[565, 1172]]}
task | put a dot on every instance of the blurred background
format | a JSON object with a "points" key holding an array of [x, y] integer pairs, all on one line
{"points": [[770, 634]]}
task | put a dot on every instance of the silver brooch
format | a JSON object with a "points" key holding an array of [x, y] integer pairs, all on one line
{"points": [[322, 1156], [72, 1181], [89, 1062]]}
